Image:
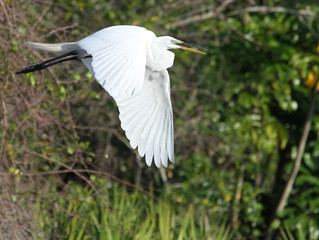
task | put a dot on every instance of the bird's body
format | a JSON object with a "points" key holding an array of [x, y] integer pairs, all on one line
{"points": [[130, 63]]}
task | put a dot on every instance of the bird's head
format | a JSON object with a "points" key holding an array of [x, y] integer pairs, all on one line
{"points": [[173, 43], [159, 56]]}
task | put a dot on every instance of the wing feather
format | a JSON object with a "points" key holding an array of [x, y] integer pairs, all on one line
{"points": [[115, 51], [163, 142], [157, 135], [146, 118], [147, 130], [136, 134], [123, 80], [170, 144], [137, 122], [150, 150], [128, 115]]}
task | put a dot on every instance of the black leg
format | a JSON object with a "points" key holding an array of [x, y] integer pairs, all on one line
{"points": [[32, 67]]}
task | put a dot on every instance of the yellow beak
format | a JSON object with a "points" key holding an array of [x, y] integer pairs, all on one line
{"points": [[192, 50], [191, 47]]}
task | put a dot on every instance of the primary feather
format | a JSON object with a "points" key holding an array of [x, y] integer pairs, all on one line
{"points": [[150, 112]]}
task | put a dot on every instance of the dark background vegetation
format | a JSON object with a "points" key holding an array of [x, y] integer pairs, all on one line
{"points": [[67, 171]]}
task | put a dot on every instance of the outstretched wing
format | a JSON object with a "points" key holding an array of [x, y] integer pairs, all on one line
{"points": [[118, 57], [147, 118]]}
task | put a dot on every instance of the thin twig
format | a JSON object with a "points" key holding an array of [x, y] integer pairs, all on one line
{"points": [[307, 25], [301, 149], [4, 127], [288, 188], [223, 6], [266, 9], [6, 14], [78, 171], [192, 19], [203, 16], [41, 17], [63, 165], [104, 129], [256, 9], [237, 197], [74, 25]]}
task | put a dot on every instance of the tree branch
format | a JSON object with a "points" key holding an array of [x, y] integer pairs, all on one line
{"points": [[202, 16], [288, 188], [256, 9], [301, 149], [266, 9]]}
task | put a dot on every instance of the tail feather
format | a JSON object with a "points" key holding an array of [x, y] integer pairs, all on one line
{"points": [[57, 48]]}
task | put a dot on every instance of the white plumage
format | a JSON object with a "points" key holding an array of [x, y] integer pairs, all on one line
{"points": [[130, 63]]}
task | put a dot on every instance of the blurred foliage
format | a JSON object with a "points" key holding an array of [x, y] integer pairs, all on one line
{"points": [[239, 113], [114, 213]]}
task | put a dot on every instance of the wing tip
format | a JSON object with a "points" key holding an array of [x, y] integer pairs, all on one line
{"points": [[164, 164], [158, 164], [172, 159]]}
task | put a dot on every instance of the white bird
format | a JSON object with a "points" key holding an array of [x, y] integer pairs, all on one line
{"points": [[130, 63]]}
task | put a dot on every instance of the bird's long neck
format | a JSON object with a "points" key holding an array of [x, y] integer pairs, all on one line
{"points": [[160, 57]]}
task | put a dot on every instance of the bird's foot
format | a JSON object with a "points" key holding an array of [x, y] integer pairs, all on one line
{"points": [[31, 67]]}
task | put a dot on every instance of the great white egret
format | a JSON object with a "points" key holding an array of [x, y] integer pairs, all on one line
{"points": [[130, 63]]}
